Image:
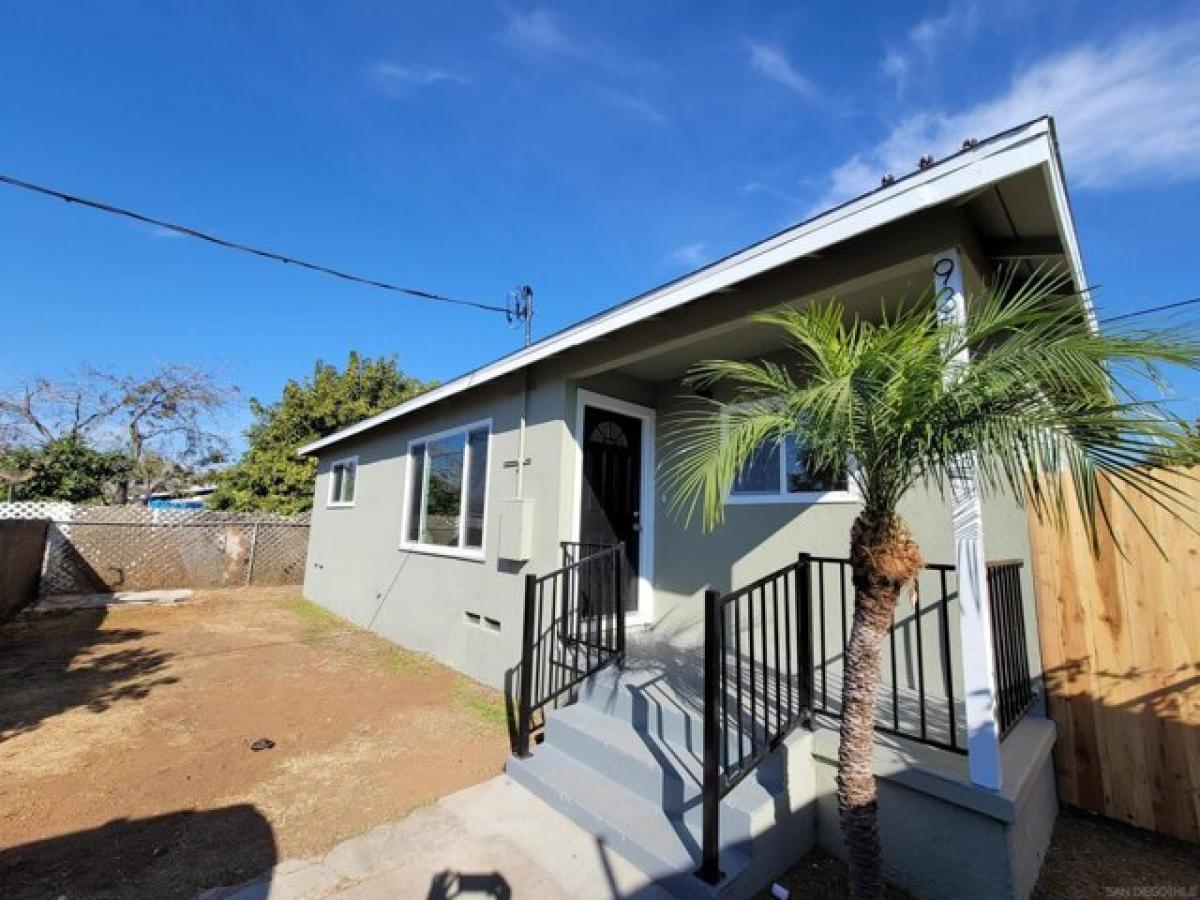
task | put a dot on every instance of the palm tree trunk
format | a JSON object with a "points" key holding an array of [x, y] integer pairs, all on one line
{"points": [[883, 559]]}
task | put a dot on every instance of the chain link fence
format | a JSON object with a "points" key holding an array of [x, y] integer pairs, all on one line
{"points": [[92, 549]]}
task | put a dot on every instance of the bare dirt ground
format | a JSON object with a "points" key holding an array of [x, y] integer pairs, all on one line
{"points": [[1089, 856], [125, 760]]}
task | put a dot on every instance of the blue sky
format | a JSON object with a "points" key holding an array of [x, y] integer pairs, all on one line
{"points": [[592, 150]]}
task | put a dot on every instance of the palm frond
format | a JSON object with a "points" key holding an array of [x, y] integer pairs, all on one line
{"points": [[1048, 406]]}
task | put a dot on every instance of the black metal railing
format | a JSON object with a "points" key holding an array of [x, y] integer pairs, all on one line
{"points": [[1014, 692], [922, 699], [574, 625], [774, 651], [757, 683], [574, 551]]}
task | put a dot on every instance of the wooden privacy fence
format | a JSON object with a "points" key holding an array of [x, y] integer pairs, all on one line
{"points": [[22, 543], [129, 548], [1120, 640]]}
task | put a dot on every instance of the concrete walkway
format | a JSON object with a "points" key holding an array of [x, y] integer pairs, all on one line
{"points": [[492, 840]]}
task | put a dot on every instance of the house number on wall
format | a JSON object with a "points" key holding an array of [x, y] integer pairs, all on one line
{"points": [[943, 270]]}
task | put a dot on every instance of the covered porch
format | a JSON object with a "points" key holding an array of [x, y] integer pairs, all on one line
{"points": [[953, 644], [702, 671]]}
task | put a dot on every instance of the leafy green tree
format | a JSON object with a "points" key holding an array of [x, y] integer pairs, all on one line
{"points": [[64, 469], [270, 477], [1046, 407]]}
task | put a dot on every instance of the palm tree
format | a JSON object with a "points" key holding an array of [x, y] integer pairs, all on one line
{"points": [[1045, 395]]}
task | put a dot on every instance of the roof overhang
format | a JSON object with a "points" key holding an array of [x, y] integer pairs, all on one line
{"points": [[1025, 147]]}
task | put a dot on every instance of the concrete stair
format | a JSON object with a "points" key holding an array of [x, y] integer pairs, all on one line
{"points": [[624, 762]]}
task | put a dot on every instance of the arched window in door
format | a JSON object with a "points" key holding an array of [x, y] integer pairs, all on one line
{"points": [[609, 434]]}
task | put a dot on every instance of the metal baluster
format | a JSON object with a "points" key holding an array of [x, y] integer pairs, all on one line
{"points": [[920, 657], [845, 637], [737, 650], [753, 692], [711, 799], [824, 652], [619, 563], [577, 622], [778, 663], [723, 622], [944, 612], [999, 627], [793, 706], [766, 670], [1027, 693], [526, 687], [804, 638], [895, 677]]}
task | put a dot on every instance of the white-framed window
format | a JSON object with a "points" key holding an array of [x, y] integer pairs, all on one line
{"points": [[446, 492], [343, 478], [778, 472]]}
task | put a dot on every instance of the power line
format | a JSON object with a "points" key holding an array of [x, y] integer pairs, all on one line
{"points": [[245, 248], [512, 311], [1152, 309]]}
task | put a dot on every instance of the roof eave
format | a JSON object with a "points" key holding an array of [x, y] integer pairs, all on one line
{"points": [[1018, 149]]}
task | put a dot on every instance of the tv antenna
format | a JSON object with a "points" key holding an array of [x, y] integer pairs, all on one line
{"points": [[520, 309]]}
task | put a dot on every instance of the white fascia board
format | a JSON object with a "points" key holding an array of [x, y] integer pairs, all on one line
{"points": [[992, 160], [1060, 202]]}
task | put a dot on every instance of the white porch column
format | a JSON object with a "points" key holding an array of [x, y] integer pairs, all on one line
{"points": [[975, 622]]}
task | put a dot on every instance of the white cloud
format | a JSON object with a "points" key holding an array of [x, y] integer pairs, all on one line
{"points": [[539, 31], [689, 255], [930, 35], [896, 65], [396, 79], [959, 21], [771, 62], [1125, 112], [635, 106]]}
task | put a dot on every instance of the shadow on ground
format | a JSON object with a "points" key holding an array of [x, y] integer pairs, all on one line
{"points": [[173, 855], [446, 885], [52, 664]]}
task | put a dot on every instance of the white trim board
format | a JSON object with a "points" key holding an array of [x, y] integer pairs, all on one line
{"points": [[1025, 147], [648, 417]]}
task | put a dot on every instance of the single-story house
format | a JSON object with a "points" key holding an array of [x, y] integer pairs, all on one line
{"points": [[443, 522]]}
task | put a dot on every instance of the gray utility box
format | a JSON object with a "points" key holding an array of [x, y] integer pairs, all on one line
{"points": [[516, 530]]}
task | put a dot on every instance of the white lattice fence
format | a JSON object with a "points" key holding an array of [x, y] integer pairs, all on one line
{"points": [[133, 548]]}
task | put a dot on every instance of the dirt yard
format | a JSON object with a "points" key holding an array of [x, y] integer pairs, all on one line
{"points": [[126, 766]]}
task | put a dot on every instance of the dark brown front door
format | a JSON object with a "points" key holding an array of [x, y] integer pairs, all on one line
{"points": [[612, 488]]}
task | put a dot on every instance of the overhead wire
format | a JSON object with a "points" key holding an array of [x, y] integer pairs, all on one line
{"points": [[1153, 309], [246, 248]]}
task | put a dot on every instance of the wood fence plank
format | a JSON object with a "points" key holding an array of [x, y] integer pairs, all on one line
{"points": [[1120, 640]]}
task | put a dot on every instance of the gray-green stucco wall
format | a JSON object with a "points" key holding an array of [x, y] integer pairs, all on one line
{"points": [[357, 568]]}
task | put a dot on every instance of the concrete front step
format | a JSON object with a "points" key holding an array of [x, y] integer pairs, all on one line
{"points": [[665, 847], [656, 770], [644, 700], [624, 762]]}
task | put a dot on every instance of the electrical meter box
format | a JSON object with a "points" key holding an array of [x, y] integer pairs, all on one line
{"points": [[516, 530]]}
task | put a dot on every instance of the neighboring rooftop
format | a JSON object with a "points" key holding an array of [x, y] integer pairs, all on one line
{"points": [[1022, 230]]}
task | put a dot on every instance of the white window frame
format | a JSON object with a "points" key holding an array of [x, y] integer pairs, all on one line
{"points": [[476, 554], [345, 462], [808, 498]]}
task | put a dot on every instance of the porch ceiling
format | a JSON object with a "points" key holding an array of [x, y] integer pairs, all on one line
{"points": [[743, 339]]}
